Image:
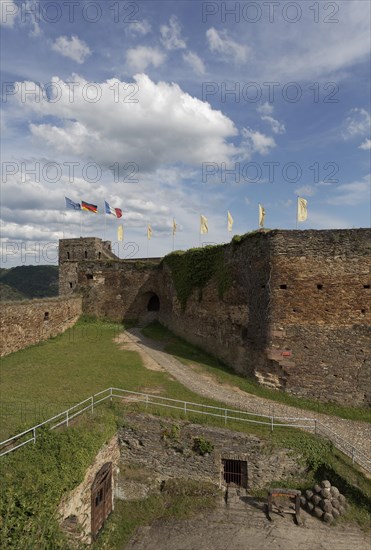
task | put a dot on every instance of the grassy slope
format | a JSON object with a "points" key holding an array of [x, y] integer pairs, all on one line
{"points": [[189, 354], [73, 366], [47, 378]]}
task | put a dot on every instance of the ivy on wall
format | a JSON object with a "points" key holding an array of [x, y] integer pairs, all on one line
{"points": [[195, 268]]}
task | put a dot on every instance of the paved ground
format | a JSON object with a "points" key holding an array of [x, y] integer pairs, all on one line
{"points": [[356, 433], [244, 526]]}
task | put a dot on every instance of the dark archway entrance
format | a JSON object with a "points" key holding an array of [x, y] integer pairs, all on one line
{"points": [[153, 303], [101, 498]]}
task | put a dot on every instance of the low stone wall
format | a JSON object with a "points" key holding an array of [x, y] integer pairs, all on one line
{"points": [[77, 504], [168, 453], [23, 324]]}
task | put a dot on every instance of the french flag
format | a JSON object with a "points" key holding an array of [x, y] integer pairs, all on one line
{"points": [[117, 212]]}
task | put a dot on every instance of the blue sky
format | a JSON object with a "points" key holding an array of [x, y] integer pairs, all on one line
{"points": [[176, 109]]}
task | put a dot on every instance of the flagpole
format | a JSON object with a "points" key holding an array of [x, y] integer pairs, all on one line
{"points": [[80, 223], [118, 243], [297, 203], [147, 247], [105, 218]]}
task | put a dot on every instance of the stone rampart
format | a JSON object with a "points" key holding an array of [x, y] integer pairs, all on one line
{"points": [[289, 308], [25, 323]]}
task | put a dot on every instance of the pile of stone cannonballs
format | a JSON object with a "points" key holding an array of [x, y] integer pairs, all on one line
{"points": [[325, 502]]}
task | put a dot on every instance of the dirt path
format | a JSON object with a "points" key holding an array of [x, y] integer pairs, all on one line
{"points": [[356, 433], [244, 526]]}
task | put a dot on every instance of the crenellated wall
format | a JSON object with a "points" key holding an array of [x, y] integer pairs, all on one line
{"points": [[28, 322], [290, 308]]}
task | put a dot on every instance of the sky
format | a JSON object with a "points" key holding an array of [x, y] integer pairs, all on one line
{"points": [[176, 109]]}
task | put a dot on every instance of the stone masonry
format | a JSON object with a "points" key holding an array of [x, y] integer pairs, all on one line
{"points": [[295, 315], [28, 322], [165, 448]]}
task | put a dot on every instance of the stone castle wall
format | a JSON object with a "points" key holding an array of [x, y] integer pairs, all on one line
{"points": [[28, 322], [110, 288], [295, 314]]}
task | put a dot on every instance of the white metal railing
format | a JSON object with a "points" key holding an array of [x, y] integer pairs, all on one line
{"points": [[347, 448], [187, 407]]}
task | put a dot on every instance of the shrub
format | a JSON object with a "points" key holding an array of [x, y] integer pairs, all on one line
{"points": [[202, 446]]}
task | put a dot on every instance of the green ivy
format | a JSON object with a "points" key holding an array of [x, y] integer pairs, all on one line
{"points": [[239, 239], [195, 268]]}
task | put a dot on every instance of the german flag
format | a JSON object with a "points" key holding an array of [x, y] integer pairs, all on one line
{"points": [[89, 207]]}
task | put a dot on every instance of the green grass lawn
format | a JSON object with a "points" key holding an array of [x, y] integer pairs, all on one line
{"points": [[47, 378], [191, 355]]}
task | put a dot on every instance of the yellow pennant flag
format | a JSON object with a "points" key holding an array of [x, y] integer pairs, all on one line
{"points": [[120, 233], [261, 216], [174, 226], [302, 210], [149, 232], [203, 225], [230, 221]]}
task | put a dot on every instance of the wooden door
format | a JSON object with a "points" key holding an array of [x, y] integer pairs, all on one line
{"points": [[101, 498]]}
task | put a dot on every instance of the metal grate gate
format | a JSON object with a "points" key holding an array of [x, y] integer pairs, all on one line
{"points": [[235, 472]]}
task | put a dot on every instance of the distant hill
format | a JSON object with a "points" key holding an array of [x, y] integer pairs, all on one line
{"points": [[9, 293], [29, 281]]}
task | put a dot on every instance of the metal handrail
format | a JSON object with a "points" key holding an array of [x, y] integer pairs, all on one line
{"points": [[355, 454]]}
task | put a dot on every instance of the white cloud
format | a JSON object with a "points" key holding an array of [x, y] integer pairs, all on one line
{"points": [[141, 28], [357, 124], [73, 47], [256, 142], [171, 35], [9, 13], [195, 62], [309, 52], [141, 57], [366, 145], [351, 194], [265, 109], [277, 127], [221, 43], [326, 220], [165, 126], [305, 191]]}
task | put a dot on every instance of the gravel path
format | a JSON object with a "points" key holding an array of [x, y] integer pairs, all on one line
{"points": [[356, 433], [243, 526]]}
